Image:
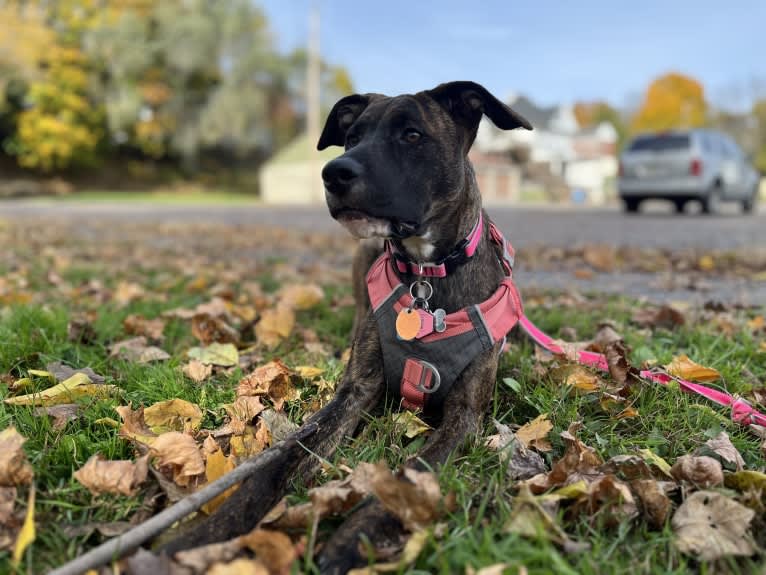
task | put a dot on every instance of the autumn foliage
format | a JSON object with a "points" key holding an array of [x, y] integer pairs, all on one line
{"points": [[671, 101]]}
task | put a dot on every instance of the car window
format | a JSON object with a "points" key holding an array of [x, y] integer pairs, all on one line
{"points": [[660, 143], [708, 143]]}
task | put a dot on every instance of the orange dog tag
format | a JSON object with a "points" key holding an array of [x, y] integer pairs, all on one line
{"points": [[408, 324]]}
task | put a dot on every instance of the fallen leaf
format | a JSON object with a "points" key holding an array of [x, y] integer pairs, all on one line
{"points": [[126, 292], [139, 325], [133, 425], [722, 446], [239, 566], [14, 467], [200, 559], [611, 500], [701, 471], [534, 433], [213, 329], [272, 548], [223, 354], [80, 329], [579, 460], [61, 414], [521, 463], [251, 441], [301, 296], [27, 534], [137, 351], [622, 372], [413, 496], [685, 368], [496, 569], [308, 371], [105, 528], [101, 476], [706, 263], [746, 481], [656, 461], [756, 324], [601, 257], [197, 371], [275, 326], [576, 376], [216, 466], [666, 317], [77, 386], [173, 415], [63, 372], [244, 408], [709, 525], [409, 424], [274, 379], [178, 452], [7, 504], [655, 503]]}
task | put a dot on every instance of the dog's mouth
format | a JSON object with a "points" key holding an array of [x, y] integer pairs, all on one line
{"points": [[363, 225]]}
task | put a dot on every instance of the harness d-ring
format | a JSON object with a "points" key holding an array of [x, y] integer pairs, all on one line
{"points": [[425, 283], [435, 381]]}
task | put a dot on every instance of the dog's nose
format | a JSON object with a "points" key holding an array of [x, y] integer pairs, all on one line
{"points": [[339, 174]]}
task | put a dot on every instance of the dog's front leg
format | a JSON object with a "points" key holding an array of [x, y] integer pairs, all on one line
{"points": [[463, 411], [360, 389]]}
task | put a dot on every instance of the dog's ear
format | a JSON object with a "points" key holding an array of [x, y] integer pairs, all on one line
{"points": [[343, 114], [467, 101]]}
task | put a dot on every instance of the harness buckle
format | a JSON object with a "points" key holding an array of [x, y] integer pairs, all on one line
{"points": [[436, 379]]}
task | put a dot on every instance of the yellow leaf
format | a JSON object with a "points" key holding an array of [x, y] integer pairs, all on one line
{"points": [[535, 432], [301, 296], [179, 452], [275, 325], [410, 424], [746, 481], [223, 354], [173, 415], [216, 466], [653, 459], [762, 346], [683, 367], [576, 376], [107, 421], [706, 263], [27, 533], [755, 324], [308, 371], [79, 385], [41, 373], [410, 553]]}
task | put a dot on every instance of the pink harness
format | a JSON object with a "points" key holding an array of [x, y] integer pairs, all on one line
{"points": [[419, 379]]}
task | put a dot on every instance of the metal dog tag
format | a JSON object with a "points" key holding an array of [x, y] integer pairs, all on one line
{"points": [[408, 324], [439, 320]]}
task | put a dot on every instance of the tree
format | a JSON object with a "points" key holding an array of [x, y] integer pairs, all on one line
{"points": [[672, 101], [759, 114], [590, 114]]}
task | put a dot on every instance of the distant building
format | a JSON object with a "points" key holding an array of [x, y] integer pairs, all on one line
{"points": [[557, 155]]}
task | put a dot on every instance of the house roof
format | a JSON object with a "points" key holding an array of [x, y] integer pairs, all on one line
{"points": [[539, 117]]}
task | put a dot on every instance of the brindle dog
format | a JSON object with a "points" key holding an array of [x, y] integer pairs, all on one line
{"points": [[405, 176]]}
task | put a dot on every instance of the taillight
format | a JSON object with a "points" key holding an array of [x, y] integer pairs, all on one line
{"points": [[695, 168]]}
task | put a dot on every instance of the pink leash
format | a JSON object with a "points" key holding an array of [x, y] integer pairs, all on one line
{"points": [[741, 411]]}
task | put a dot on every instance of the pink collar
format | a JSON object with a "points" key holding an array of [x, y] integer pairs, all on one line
{"points": [[444, 266]]}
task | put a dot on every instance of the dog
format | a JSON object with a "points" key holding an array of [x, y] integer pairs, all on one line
{"points": [[434, 298]]}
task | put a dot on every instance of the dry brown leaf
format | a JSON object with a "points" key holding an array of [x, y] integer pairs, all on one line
{"points": [[126, 292], [611, 500], [101, 476], [62, 372], [222, 354], [244, 408], [756, 324], [413, 496], [521, 463], [213, 329], [199, 559], [7, 504], [272, 548], [197, 371], [14, 467], [80, 329], [601, 257], [655, 503], [139, 325], [133, 425], [252, 441], [278, 425], [709, 525], [701, 471], [579, 460], [666, 317], [685, 368], [722, 446], [173, 415], [534, 433], [274, 379], [301, 296], [577, 376], [275, 326], [496, 569], [179, 453], [61, 414], [137, 350]]}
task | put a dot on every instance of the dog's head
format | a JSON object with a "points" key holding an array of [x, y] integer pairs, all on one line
{"points": [[403, 154]]}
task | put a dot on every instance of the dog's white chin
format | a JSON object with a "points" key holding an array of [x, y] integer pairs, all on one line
{"points": [[365, 228]]}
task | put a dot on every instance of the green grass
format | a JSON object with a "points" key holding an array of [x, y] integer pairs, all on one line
{"points": [[669, 423]]}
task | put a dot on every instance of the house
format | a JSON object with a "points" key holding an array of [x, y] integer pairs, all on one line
{"points": [[558, 156]]}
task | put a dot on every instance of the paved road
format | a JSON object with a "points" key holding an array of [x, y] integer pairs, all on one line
{"points": [[524, 225], [558, 226]]}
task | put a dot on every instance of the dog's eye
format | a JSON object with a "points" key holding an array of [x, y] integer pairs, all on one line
{"points": [[352, 140], [411, 136]]}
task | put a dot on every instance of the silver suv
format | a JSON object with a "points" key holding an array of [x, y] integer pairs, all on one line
{"points": [[679, 166]]}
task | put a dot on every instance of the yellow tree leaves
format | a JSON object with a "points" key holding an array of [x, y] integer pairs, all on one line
{"points": [[671, 101]]}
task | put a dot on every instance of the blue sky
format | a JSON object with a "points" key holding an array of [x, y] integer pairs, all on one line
{"points": [[553, 51]]}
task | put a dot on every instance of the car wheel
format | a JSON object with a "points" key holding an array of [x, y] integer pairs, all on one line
{"points": [[631, 205], [680, 205], [748, 205], [711, 203]]}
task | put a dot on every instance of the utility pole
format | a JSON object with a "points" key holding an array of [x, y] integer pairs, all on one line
{"points": [[313, 80]]}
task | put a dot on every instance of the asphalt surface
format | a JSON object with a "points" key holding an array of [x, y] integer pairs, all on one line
{"points": [[656, 227]]}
